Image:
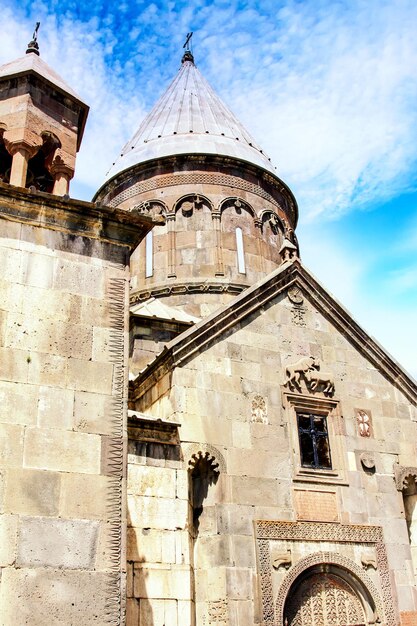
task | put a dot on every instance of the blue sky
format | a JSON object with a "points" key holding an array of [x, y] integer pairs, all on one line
{"points": [[328, 88]]}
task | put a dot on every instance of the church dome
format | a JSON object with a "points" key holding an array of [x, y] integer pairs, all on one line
{"points": [[190, 118], [228, 218]]}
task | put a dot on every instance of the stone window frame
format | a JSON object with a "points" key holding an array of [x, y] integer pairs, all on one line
{"points": [[299, 403]]}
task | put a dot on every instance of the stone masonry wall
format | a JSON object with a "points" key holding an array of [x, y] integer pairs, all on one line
{"points": [[232, 400], [62, 389]]}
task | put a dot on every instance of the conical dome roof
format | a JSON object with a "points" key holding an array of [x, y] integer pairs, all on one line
{"points": [[190, 118]]}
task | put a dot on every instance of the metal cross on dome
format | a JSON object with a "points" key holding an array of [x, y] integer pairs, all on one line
{"points": [[187, 41]]}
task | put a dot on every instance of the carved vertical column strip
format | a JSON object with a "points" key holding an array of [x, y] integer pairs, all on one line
{"points": [[258, 226], [170, 221], [115, 601], [268, 617], [216, 215]]}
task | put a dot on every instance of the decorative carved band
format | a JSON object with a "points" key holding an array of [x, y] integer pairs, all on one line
{"points": [[318, 531], [195, 178], [183, 288]]}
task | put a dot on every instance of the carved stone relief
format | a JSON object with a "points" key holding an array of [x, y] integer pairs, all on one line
{"points": [[295, 295], [405, 477], [306, 372], [150, 207], [336, 534], [324, 600], [259, 412], [217, 613], [193, 452], [364, 422], [281, 559], [298, 316]]}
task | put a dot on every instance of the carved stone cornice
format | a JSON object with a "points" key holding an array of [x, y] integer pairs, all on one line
{"points": [[145, 177], [85, 219], [177, 289]]}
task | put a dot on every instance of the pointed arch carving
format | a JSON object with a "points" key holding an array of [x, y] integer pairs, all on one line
{"points": [[190, 203], [151, 207], [196, 451], [271, 217], [238, 204], [346, 568]]}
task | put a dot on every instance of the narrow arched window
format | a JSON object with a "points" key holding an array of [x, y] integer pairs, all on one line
{"points": [[240, 251], [149, 254]]}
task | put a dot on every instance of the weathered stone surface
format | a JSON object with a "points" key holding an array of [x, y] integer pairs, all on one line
{"points": [[66, 597], [8, 539], [32, 492], [84, 496], [49, 449], [59, 543]]}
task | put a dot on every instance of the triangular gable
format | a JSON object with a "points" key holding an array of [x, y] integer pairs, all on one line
{"points": [[197, 338]]}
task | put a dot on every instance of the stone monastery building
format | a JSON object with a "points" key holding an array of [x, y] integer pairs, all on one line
{"points": [[258, 465]]}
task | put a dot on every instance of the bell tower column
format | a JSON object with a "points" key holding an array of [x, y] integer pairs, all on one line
{"points": [[21, 152]]}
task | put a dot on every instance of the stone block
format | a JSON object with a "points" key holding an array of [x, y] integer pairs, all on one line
{"points": [[151, 612], [167, 583], [84, 496], [11, 445], [59, 543], [241, 434], [14, 365], [144, 545], [47, 369], [56, 408], [36, 270], [235, 519], [32, 492], [51, 336], [101, 344], [18, 403], [183, 547], [40, 303], [90, 376], [132, 612], [243, 551], [157, 482], [214, 551], [92, 412], [86, 279], [8, 540], [66, 597], [65, 452], [160, 513], [256, 491]]}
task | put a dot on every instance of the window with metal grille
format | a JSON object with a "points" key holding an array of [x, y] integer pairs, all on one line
{"points": [[314, 441]]}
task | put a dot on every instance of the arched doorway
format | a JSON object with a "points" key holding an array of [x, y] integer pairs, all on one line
{"points": [[326, 595]]}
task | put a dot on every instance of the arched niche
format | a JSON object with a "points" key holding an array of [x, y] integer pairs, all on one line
{"points": [[235, 212], [194, 242], [5, 157], [272, 233], [151, 252], [328, 589], [38, 173]]}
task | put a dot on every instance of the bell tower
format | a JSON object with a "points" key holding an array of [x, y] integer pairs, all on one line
{"points": [[41, 124]]}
